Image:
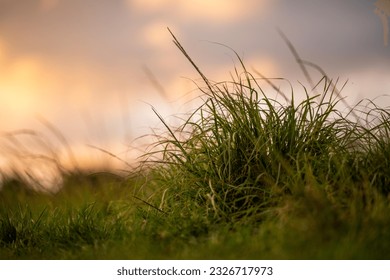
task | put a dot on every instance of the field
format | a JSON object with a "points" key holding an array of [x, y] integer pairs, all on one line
{"points": [[243, 177]]}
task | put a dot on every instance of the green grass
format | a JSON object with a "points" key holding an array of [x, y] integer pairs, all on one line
{"points": [[244, 177]]}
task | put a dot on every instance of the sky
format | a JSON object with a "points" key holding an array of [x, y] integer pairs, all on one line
{"points": [[81, 76]]}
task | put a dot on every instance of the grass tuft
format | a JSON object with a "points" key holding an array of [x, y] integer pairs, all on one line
{"points": [[245, 176], [242, 155]]}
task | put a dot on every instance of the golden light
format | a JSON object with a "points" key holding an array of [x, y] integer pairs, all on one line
{"points": [[220, 11], [20, 86]]}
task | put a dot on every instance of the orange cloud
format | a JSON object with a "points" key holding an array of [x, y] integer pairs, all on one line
{"points": [[20, 85], [2, 50], [155, 34], [31, 86], [220, 11], [48, 5]]}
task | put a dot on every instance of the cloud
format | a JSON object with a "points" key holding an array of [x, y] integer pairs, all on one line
{"points": [[48, 5], [155, 34], [220, 11], [24, 84], [216, 11], [34, 84]]}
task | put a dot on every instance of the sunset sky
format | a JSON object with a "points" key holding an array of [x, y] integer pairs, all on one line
{"points": [[85, 66]]}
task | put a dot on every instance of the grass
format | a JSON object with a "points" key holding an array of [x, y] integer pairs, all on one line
{"points": [[244, 177]]}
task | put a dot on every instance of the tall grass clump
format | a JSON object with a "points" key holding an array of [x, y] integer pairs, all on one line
{"points": [[241, 155], [244, 176]]}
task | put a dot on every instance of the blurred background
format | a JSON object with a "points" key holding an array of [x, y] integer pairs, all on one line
{"points": [[78, 78]]}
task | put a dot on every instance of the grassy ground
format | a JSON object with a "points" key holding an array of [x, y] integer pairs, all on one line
{"points": [[243, 177], [92, 219]]}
